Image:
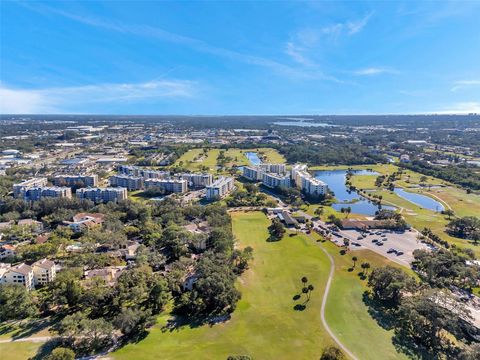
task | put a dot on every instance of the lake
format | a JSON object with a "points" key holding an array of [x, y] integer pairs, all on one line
{"points": [[423, 201], [253, 158], [335, 179]]}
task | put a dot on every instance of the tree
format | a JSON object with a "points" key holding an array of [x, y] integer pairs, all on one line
{"points": [[346, 242], [387, 284], [133, 321], [61, 353], [159, 296], [15, 302], [332, 353], [354, 259], [304, 281], [365, 267], [277, 230], [319, 211], [449, 213]]}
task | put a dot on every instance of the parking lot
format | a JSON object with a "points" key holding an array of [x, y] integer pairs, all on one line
{"points": [[403, 243]]}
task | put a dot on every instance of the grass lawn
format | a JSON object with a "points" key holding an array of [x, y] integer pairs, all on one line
{"points": [[193, 159], [347, 314], [264, 325], [19, 350]]}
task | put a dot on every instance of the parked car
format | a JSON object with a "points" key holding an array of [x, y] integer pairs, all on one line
{"points": [[379, 243], [374, 240], [399, 253], [391, 250]]}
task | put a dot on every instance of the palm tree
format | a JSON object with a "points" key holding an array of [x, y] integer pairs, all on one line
{"points": [[365, 266], [354, 259], [305, 291], [310, 289], [346, 242], [304, 280]]}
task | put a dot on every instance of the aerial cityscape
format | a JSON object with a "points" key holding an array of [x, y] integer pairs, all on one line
{"points": [[320, 211]]}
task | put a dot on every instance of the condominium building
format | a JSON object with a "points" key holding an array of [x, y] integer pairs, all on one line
{"points": [[44, 271], [75, 180], [127, 181], [37, 193], [220, 188], [252, 173], [273, 180], [98, 195], [197, 180], [296, 172], [306, 182], [142, 172], [167, 185], [20, 188], [273, 168], [21, 274]]}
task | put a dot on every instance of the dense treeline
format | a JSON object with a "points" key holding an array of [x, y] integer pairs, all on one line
{"points": [[463, 175], [194, 271], [425, 320], [331, 153]]}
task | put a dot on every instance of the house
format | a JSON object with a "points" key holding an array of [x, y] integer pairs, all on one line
{"points": [[287, 218], [44, 271], [109, 274], [21, 274], [34, 224], [83, 221], [7, 250]]}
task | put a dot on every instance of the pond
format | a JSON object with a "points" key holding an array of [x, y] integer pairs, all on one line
{"points": [[335, 179], [253, 158], [423, 201]]}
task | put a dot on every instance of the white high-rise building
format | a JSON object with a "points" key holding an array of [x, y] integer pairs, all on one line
{"points": [[220, 188], [306, 182], [273, 180]]}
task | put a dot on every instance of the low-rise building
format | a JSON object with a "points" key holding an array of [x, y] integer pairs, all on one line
{"points": [[21, 274], [44, 271], [99, 195], [7, 251], [167, 185], [76, 180], [127, 181], [109, 274], [82, 221], [220, 188]]}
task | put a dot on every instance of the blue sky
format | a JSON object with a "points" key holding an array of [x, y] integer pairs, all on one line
{"points": [[120, 57]]}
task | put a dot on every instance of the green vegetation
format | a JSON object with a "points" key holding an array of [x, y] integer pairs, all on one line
{"points": [[207, 159], [265, 324], [347, 314]]}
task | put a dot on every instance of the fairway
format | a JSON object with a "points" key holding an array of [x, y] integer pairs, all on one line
{"points": [[194, 159], [265, 325], [347, 314]]}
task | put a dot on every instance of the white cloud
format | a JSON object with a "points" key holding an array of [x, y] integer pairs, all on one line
{"points": [[61, 99], [463, 84], [461, 108], [374, 71], [354, 27]]}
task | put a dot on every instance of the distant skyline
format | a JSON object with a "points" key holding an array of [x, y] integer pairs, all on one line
{"points": [[214, 58]]}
